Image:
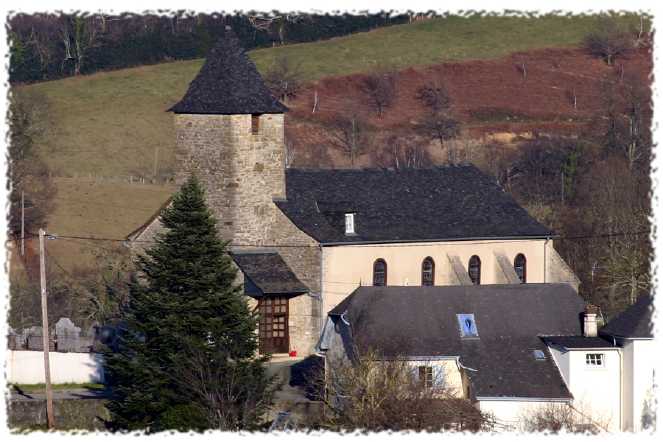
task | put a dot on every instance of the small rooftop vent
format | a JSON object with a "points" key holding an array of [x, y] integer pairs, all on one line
{"points": [[539, 355], [350, 224]]}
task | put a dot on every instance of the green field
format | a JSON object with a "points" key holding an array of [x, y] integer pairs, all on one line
{"points": [[116, 124]]}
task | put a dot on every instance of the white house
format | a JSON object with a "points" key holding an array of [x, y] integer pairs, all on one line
{"points": [[610, 372], [511, 349], [632, 332]]}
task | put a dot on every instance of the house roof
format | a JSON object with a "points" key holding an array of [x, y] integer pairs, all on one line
{"points": [[634, 322], [228, 83], [136, 233], [267, 273], [439, 203], [578, 342], [422, 322]]}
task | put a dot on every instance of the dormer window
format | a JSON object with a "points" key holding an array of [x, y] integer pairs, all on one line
{"points": [[467, 325], [350, 224]]}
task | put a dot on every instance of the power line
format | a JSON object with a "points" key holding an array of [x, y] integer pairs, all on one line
{"points": [[420, 244], [142, 209]]}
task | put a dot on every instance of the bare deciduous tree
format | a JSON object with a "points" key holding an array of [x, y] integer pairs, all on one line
{"points": [[28, 174], [79, 35], [434, 97], [609, 40], [377, 394], [625, 118], [437, 123], [284, 78], [560, 417], [232, 394], [380, 90], [350, 135], [402, 153]]}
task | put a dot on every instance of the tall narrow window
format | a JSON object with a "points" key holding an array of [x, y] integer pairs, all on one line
{"points": [[474, 270], [380, 272], [520, 266], [255, 124], [428, 271]]}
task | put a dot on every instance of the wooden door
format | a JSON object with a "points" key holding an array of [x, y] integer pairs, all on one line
{"points": [[273, 329]]}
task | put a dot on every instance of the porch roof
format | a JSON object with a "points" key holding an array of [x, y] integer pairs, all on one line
{"points": [[266, 273]]}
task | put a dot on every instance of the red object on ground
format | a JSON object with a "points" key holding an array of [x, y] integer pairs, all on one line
{"points": [[293, 354]]}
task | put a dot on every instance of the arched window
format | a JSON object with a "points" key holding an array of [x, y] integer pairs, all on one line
{"points": [[428, 271], [474, 270], [520, 266], [379, 272]]}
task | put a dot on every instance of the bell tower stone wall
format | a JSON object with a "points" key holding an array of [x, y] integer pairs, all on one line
{"points": [[243, 171]]}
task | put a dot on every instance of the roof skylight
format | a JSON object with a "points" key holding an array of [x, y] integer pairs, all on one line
{"points": [[467, 325]]}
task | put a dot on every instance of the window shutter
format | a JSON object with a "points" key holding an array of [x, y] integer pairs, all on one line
{"points": [[439, 378], [414, 369]]}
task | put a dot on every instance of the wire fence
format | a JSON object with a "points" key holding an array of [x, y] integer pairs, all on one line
{"points": [[128, 179]]}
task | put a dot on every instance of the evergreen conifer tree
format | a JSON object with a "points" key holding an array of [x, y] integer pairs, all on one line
{"points": [[185, 316]]}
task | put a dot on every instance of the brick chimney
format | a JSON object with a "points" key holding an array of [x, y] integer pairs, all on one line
{"points": [[589, 326]]}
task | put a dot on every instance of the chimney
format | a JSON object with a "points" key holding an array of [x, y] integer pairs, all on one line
{"points": [[589, 326]]}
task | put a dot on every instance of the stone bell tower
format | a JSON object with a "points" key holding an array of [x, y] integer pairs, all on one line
{"points": [[229, 132]]}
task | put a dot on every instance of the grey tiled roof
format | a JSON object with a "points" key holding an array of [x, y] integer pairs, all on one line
{"points": [[634, 322], [578, 342], [421, 322], [228, 83], [267, 274], [439, 203]]}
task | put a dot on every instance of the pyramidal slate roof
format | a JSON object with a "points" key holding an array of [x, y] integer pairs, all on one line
{"points": [[439, 203], [228, 83], [634, 322], [511, 320]]}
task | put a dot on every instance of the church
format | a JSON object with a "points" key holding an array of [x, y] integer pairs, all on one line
{"points": [[438, 265], [305, 239]]}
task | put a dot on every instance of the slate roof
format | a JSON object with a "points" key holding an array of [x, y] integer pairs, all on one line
{"points": [[228, 83], [578, 342], [421, 322], [267, 274], [439, 203], [634, 322]]}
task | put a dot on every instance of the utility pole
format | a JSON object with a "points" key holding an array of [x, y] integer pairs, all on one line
{"points": [[22, 223], [44, 325]]}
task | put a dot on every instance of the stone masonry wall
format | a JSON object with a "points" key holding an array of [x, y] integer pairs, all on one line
{"points": [[243, 174]]}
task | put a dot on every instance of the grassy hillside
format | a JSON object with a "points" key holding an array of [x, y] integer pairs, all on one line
{"points": [[116, 124], [113, 123], [106, 210]]}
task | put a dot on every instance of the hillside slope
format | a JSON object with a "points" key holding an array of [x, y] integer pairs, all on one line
{"points": [[115, 124]]}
